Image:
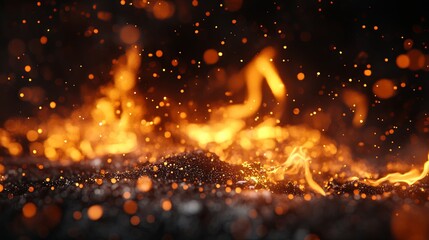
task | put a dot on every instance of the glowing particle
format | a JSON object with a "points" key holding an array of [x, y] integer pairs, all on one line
{"points": [[29, 210], [167, 134], [183, 115], [27, 68], [104, 16], [77, 215], [95, 212], [52, 104], [307, 197], [91, 76], [210, 56], [279, 210], [43, 40], [163, 10], [296, 111], [1, 188], [144, 184], [129, 34], [367, 72], [383, 88], [408, 44], [403, 61], [135, 220], [300, 76], [159, 53], [130, 207], [126, 195], [32, 135], [166, 205]]}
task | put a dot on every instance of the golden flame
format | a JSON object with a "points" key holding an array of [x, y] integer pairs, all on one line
{"points": [[114, 123], [227, 130], [296, 161], [227, 122], [409, 177]]}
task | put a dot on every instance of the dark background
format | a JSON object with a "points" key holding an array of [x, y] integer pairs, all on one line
{"points": [[315, 32]]}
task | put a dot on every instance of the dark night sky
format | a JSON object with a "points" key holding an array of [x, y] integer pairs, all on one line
{"points": [[330, 41]]}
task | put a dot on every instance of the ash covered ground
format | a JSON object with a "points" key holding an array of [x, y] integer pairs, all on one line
{"points": [[195, 195]]}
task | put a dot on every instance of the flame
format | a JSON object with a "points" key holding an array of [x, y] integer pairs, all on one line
{"points": [[227, 122], [227, 129], [409, 177], [112, 125], [296, 161]]}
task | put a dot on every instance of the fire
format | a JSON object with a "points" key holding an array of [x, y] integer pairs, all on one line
{"points": [[227, 122], [296, 161], [115, 122], [110, 125], [227, 131], [409, 177]]}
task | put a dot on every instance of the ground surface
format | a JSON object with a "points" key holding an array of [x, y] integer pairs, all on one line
{"points": [[213, 203]]}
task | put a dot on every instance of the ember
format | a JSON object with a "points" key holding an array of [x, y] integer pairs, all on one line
{"points": [[198, 119]]}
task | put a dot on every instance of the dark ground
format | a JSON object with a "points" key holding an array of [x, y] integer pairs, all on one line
{"points": [[206, 206]]}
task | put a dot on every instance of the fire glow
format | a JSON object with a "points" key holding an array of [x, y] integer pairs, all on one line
{"points": [[116, 123]]}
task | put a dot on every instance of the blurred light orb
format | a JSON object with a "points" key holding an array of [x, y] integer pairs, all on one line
{"points": [[384, 88], [211, 56], [129, 34], [403, 61], [163, 10]]}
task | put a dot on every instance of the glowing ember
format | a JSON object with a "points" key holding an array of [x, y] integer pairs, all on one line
{"points": [[95, 212]]}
